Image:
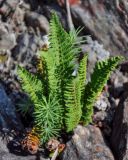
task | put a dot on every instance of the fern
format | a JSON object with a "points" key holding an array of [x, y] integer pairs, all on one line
{"points": [[93, 89], [30, 84], [72, 97], [65, 53], [47, 117], [49, 72], [60, 99], [82, 75]]}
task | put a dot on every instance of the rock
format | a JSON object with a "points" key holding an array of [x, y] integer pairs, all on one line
{"points": [[124, 67], [7, 42], [87, 144], [33, 3], [119, 138], [17, 21], [27, 45], [9, 120], [22, 52], [105, 21], [99, 116], [102, 102], [7, 37], [6, 155], [53, 7], [118, 81], [36, 20], [8, 7], [96, 52]]}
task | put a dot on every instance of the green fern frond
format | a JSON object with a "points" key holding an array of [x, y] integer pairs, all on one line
{"points": [[64, 46], [82, 75], [30, 84], [93, 89], [60, 57], [48, 118], [49, 75], [72, 96]]}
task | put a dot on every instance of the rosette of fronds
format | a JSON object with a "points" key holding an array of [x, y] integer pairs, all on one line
{"points": [[50, 89], [60, 98]]}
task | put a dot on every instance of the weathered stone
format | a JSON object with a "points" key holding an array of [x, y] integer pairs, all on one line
{"points": [[8, 117], [102, 102], [96, 53], [33, 3], [87, 144], [8, 7], [105, 22], [118, 81], [26, 48], [7, 37], [119, 138], [36, 20]]}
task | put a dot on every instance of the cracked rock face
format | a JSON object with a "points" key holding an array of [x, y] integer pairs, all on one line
{"points": [[119, 138], [7, 7], [104, 21], [87, 144]]}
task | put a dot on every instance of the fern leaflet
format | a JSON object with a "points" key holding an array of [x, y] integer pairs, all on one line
{"points": [[99, 78]]}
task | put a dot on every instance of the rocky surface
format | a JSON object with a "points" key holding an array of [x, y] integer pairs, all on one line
{"points": [[23, 30], [95, 51], [87, 144], [21, 35], [118, 83], [9, 120], [105, 21], [119, 138]]}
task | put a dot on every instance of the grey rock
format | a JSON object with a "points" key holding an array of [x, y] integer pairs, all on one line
{"points": [[106, 21], [87, 144], [118, 80], [33, 3], [119, 138], [17, 21], [124, 67], [102, 103], [36, 20], [8, 118], [99, 116], [96, 52], [7, 37], [7, 42], [27, 45], [94, 48], [8, 7]]}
